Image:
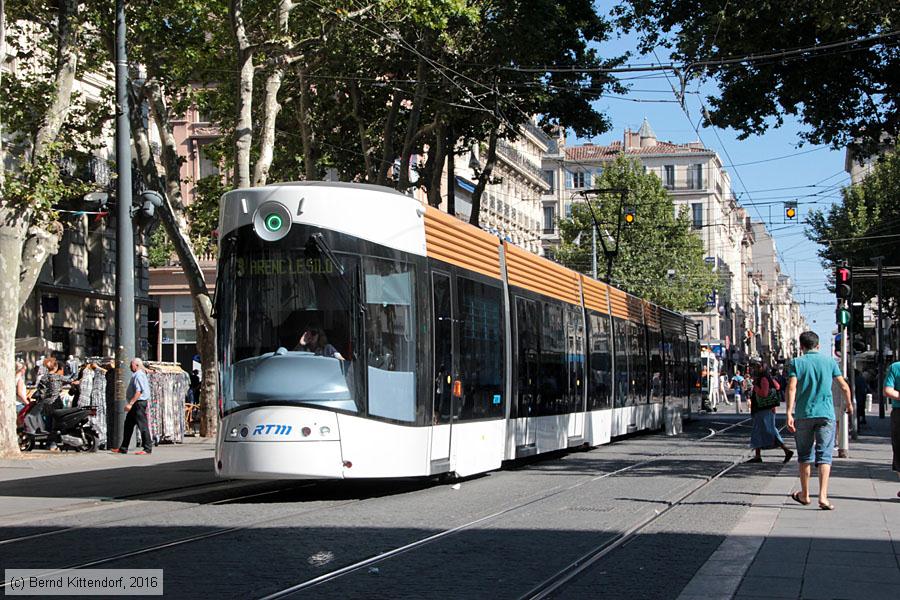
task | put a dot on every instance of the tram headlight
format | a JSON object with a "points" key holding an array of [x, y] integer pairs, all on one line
{"points": [[324, 429], [244, 432], [233, 432], [272, 221]]}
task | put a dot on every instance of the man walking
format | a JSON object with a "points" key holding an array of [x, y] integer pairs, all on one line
{"points": [[809, 388], [138, 396], [892, 391]]}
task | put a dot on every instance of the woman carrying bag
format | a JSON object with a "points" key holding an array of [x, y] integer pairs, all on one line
{"points": [[764, 400]]}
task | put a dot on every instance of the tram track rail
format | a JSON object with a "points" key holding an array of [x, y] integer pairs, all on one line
{"points": [[119, 501], [333, 575], [373, 560]]}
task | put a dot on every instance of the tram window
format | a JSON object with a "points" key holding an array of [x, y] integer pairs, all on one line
{"points": [[623, 371], [554, 379], [528, 357], [575, 358], [638, 343], [270, 294], [480, 350], [391, 339], [600, 363], [443, 349], [657, 369]]}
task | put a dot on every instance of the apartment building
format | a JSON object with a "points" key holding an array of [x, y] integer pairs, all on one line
{"points": [[698, 183], [73, 301], [511, 204]]}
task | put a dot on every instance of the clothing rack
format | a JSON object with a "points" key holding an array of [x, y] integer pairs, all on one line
{"points": [[169, 385]]}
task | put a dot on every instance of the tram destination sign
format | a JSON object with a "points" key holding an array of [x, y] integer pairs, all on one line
{"points": [[252, 267]]}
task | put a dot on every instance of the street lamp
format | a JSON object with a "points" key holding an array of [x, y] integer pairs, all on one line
{"points": [[609, 243]]}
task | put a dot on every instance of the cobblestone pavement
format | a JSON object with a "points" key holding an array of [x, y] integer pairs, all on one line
{"points": [[251, 539]]}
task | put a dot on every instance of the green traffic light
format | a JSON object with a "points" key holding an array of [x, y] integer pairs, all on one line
{"points": [[274, 222], [843, 317]]}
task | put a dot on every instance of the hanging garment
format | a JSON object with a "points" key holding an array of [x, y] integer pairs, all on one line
{"points": [[168, 387], [98, 400]]}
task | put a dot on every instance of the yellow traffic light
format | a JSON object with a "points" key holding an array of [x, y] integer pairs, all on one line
{"points": [[629, 215], [790, 210]]}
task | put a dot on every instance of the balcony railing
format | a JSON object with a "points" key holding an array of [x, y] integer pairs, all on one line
{"points": [[510, 153]]}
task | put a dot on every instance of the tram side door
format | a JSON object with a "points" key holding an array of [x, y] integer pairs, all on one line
{"points": [[445, 366]]}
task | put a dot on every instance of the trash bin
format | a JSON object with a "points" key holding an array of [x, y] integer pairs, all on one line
{"points": [[672, 418]]}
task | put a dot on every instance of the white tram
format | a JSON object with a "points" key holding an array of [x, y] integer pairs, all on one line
{"points": [[448, 349]]}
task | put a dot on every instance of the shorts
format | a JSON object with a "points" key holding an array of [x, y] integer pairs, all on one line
{"points": [[815, 440]]}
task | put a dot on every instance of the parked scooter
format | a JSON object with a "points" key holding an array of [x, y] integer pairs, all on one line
{"points": [[69, 428]]}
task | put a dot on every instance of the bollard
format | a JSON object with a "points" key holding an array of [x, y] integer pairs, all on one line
{"points": [[843, 441]]}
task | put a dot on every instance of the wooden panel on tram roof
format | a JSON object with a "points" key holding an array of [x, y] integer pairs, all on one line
{"points": [[450, 240], [596, 295], [619, 302], [531, 272]]}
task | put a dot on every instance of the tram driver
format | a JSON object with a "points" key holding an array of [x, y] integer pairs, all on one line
{"points": [[314, 340]]}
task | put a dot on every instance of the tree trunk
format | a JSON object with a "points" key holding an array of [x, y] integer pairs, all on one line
{"points": [[436, 156], [40, 244], [484, 178], [306, 135], [387, 152], [412, 126], [178, 230], [271, 108], [363, 136], [64, 77], [2, 57], [243, 130], [13, 226]]}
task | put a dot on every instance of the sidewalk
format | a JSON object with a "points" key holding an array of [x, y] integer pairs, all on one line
{"points": [[781, 549], [43, 481]]}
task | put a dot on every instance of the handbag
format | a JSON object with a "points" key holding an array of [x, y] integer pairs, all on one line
{"points": [[770, 401]]}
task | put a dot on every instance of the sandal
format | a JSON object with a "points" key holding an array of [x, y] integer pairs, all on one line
{"points": [[796, 498], [826, 505]]}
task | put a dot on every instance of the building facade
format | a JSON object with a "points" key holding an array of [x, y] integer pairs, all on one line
{"points": [[700, 185]]}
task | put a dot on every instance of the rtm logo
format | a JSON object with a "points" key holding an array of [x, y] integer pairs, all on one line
{"points": [[273, 429]]}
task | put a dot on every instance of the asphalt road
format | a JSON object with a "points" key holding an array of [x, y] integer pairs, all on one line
{"points": [[643, 510]]}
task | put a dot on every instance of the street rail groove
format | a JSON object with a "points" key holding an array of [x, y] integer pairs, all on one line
{"points": [[344, 570], [337, 573], [134, 498]]}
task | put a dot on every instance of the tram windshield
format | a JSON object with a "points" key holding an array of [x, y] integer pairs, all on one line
{"points": [[288, 324]]}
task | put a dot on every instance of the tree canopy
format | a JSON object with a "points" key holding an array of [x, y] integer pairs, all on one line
{"points": [[865, 224], [659, 258], [845, 93]]}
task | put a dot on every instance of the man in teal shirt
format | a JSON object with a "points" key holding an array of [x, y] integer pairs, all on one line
{"points": [[891, 383], [813, 425]]}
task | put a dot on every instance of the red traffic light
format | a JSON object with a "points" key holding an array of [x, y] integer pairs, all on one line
{"points": [[843, 283]]}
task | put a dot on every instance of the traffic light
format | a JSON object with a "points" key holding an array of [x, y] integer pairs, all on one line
{"points": [[842, 316], [843, 282], [790, 210], [629, 215]]}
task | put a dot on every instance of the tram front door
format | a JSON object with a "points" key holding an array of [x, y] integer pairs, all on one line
{"points": [[445, 369]]}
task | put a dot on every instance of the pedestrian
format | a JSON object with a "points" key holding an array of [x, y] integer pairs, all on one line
{"points": [[72, 366], [737, 384], [41, 367], [813, 425], [138, 395], [764, 400], [860, 390], [781, 380], [891, 385], [21, 392], [723, 388]]}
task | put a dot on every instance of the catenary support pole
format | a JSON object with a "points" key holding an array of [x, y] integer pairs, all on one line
{"points": [[451, 173], [594, 251], [879, 342], [843, 422], [125, 315]]}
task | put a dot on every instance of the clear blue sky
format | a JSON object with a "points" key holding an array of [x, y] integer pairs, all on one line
{"points": [[757, 186]]}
